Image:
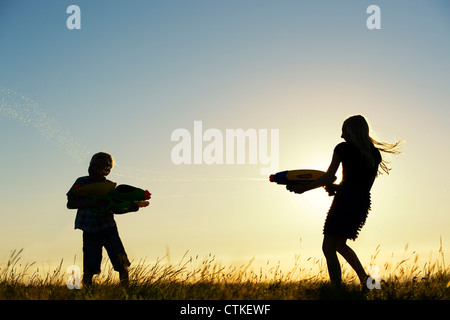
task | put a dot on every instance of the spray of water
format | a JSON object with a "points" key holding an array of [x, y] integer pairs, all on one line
{"points": [[152, 175], [16, 106]]}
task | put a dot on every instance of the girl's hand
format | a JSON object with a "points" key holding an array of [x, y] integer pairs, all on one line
{"points": [[331, 189], [296, 188]]}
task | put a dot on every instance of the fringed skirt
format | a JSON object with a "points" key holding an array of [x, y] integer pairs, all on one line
{"points": [[348, 213]]}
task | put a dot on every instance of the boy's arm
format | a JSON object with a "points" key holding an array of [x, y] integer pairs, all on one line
{"points": [[74, 202], [78, 202]]}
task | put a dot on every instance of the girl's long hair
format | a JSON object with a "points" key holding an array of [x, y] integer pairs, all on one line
{"points": [[356, 130]]}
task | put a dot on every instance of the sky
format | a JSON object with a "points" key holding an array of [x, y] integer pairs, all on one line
{"points": [[291, 71]]}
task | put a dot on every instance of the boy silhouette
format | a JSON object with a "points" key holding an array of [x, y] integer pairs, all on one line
{"points": [[99, 229]]}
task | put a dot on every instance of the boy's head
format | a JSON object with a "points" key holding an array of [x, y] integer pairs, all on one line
{"points": [[101, 164]]}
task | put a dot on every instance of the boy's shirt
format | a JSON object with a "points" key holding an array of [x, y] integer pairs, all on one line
{"points": [[88, 220]]}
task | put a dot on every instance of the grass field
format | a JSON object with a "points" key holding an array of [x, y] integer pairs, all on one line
{"points": [[205, 279]]}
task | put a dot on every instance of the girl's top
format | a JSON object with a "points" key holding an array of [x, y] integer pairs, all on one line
{"points": [[355, 173], [351, 204]]}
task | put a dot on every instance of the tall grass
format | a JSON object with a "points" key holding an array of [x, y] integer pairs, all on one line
{"points": [[196, 278]]}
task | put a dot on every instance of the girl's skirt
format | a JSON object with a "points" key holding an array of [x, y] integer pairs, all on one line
{"points": [[348, 212]]}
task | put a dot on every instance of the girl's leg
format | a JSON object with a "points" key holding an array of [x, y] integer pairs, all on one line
{"points": [[329, 248], [351, 258]]}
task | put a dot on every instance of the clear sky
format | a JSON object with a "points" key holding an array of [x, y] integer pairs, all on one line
{"points": [[137, 71]]}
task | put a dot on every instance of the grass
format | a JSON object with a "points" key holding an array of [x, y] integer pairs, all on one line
{"points": [[205, 279]]}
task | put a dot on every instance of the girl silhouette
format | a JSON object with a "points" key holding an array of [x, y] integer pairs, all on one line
{"points": [[361, 163]]}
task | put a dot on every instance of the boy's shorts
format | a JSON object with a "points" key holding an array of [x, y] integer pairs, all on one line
{"points": [[92, 250]]}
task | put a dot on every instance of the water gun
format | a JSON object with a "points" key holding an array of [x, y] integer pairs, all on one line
{"points": [[122, 196], [298, 177]]}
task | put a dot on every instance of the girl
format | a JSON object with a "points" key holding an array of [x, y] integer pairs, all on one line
{"points": [[361, 163]]}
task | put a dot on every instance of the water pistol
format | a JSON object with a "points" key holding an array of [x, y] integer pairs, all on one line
{"points": [[121, 196], [299, 177]]}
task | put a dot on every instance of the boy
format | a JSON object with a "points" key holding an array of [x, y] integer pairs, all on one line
{"points": [[99, 229]]}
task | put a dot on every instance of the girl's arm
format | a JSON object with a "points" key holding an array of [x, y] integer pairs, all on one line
{"points": [[326, 179]]}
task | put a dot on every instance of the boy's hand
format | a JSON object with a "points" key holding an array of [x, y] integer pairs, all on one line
{"points": [[133, 207], [122, 210]]}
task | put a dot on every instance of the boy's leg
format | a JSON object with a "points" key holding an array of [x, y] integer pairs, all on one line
{"points": [[87, 278], [116, 252], [92, 256]]}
